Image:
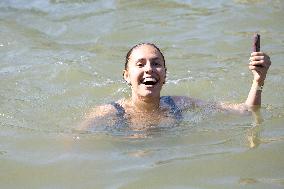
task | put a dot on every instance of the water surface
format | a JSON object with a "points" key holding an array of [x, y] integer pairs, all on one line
{"points": [[60, 58]]}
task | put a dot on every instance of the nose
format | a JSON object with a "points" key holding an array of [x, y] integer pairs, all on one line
{"points": [[148, 67]]}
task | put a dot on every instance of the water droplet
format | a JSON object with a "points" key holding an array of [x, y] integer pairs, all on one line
{"points": [[76, 137]]}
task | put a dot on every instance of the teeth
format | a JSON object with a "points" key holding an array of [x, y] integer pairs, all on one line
{"points": [[150, 80]]}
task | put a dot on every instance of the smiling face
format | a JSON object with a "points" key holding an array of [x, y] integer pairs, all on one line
{"points": [[145, 71]]}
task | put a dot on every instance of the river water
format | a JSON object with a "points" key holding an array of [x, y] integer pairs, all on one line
{"points": [[59, 58]]}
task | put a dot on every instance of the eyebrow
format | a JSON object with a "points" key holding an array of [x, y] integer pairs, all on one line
{"points": [[140, 59]]}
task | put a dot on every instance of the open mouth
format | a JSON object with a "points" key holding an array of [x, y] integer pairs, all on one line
{"points": [[149, 81]]}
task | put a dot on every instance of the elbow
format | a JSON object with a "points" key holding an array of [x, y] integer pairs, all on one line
{"points": [[252, 108]]}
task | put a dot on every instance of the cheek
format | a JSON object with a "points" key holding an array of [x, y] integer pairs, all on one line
{"points": [[162, 73], [134, 74]]}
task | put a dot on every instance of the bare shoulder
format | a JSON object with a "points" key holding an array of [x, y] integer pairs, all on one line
{"points": [[95, 115], [100, 111]]}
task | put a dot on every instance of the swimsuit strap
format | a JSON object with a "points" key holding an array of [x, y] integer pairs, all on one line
{"points": [[174, 108], [120, 113], [120, 110]]}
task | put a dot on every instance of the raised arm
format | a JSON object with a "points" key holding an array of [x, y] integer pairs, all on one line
{"points": [[259, 65]]}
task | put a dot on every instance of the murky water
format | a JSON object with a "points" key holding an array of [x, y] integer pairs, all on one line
{"points": [[59, 58]]}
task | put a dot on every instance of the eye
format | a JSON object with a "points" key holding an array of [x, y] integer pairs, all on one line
{"points": [[139, 64], [156, 63]]}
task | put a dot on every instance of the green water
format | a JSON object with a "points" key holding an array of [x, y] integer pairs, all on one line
{"points": [[59, 58]]}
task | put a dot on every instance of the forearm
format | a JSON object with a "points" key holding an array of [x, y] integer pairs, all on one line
{"points": [[254, 97], [252, 103], [259, 65]]}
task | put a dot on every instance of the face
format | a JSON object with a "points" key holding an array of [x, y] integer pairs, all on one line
{"points": [[146, 71]]}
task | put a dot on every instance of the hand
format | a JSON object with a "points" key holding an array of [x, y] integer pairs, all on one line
{"points": [[259, 65]]}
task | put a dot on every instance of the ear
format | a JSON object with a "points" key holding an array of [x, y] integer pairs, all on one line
{"points": [[126, 76], [165, 76]]}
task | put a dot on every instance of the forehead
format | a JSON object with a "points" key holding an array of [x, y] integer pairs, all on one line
{"points": [[145, 51]]}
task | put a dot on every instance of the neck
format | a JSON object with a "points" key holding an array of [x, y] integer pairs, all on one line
{"points": [[145, 104]]}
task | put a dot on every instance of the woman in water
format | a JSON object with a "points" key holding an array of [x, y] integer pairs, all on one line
{"points": [[145, 71]]}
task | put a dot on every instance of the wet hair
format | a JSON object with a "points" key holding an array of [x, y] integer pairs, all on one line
{"points": [[138, 45]]}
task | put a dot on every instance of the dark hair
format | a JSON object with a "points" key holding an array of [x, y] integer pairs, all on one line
{"points": [[138, 45]]}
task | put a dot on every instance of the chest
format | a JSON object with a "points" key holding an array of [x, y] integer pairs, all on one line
{"points": [[144, 120]]}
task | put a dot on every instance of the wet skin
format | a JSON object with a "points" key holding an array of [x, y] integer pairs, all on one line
{"points": [[145, 73]]}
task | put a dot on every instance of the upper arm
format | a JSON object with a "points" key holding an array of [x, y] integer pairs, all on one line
{"points": [[185, 103], [241, 108]]}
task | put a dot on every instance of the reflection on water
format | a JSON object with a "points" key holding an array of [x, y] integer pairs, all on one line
{"points": [[60, 58]]}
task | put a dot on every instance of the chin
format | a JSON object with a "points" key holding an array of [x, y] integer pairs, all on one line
{"points": [[150, 94]]}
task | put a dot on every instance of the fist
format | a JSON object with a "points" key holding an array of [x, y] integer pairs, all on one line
{"points": [[259, 65]]}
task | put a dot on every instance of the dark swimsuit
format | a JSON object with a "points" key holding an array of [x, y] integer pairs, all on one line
{"points": [[175, 111]]}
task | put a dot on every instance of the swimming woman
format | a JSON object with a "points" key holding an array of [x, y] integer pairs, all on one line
{"points": [[145, 71]]}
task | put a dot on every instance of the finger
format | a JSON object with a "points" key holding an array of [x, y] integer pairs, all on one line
{"points": [[257, 54], [252, 67], [259, 70], [259, 63], [262, 62], [256, 58], [267, 60]]}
